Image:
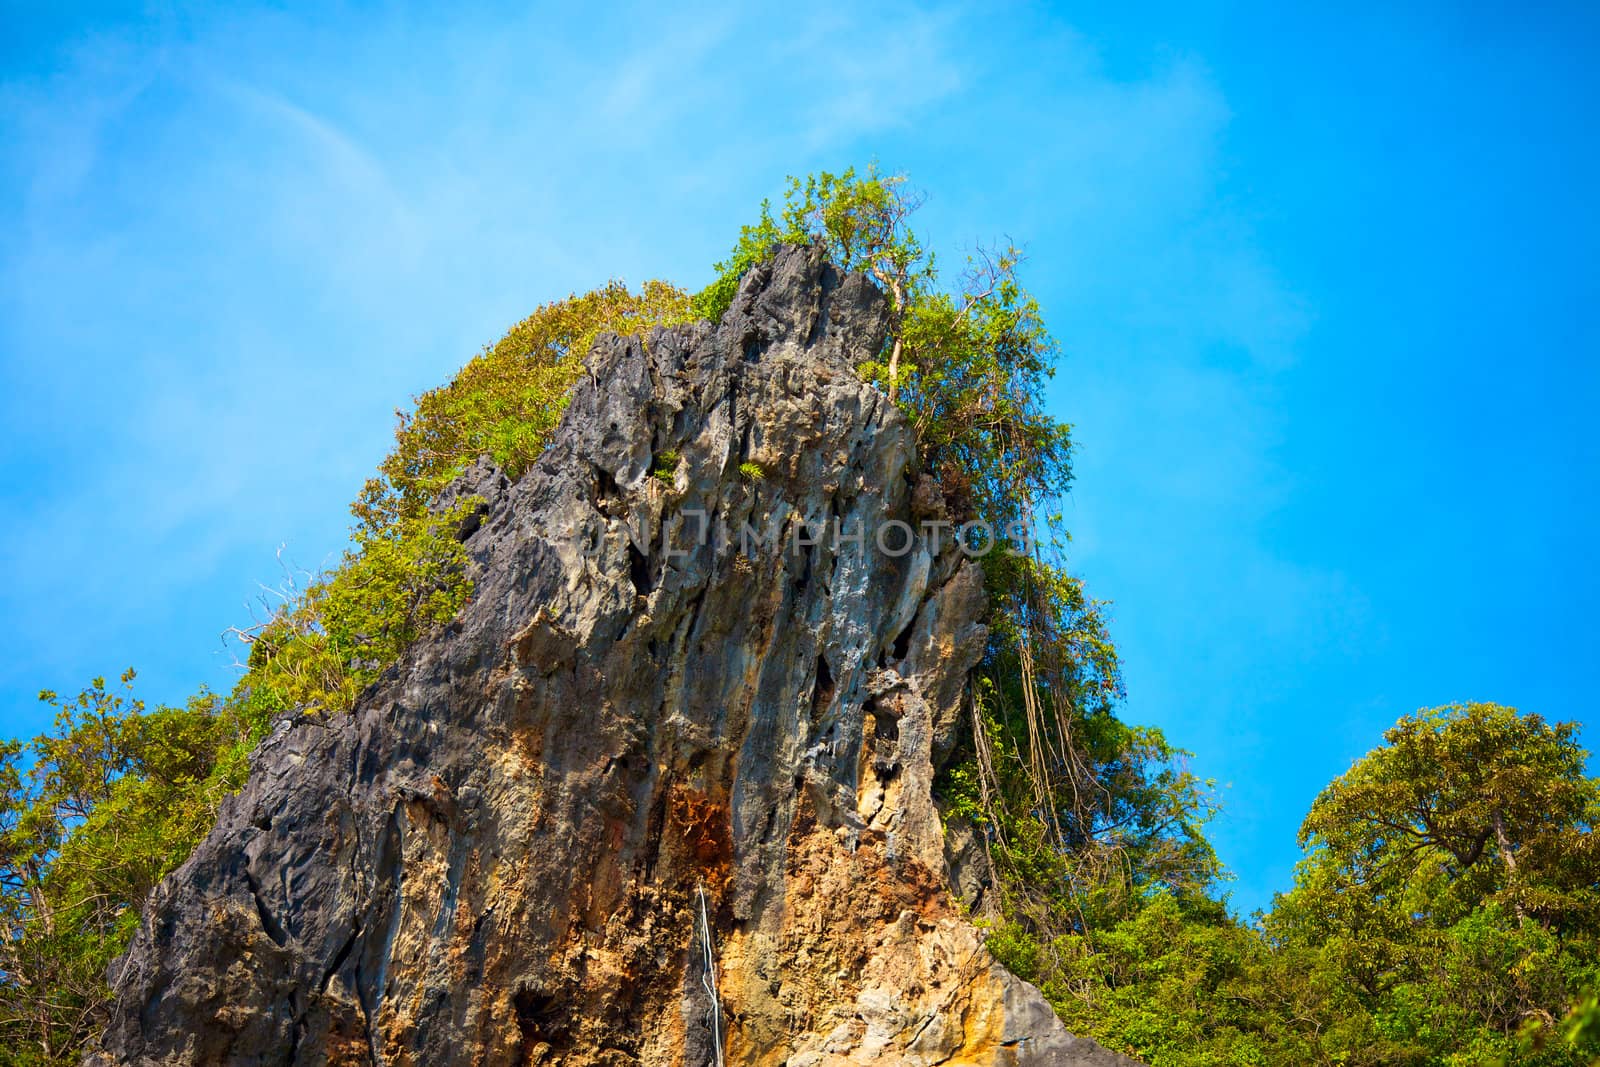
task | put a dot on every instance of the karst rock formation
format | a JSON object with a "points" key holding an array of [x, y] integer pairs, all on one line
{"points": [[660, 794]]}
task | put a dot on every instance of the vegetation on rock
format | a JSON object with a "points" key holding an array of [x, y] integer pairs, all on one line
{"points": [[93, 815], [1446, 911], [506, 400]]}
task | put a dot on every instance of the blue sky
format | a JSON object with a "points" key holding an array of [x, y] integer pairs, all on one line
{"points": [[1324, 282]]}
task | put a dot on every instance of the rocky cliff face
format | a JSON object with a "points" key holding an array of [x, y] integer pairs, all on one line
{"points": [[656, 796]]}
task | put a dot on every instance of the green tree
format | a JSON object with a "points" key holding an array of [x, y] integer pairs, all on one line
{"points": [[1407, 939], [1449, 892], [93, 815], [1473, 803]]}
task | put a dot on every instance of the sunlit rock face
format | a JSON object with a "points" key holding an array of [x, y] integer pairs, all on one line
{"points": [[661, 793]]}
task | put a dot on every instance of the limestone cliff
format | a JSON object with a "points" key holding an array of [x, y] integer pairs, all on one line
{"points": [[656, 796]]}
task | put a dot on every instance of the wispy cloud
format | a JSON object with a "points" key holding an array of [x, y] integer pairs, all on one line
{"points": [[316, 187]]}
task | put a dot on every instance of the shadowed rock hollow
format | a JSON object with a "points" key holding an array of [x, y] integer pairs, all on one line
{"points": [[639, 748]]}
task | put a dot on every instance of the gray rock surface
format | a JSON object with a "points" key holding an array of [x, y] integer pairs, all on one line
{"points": [[637, 748]]}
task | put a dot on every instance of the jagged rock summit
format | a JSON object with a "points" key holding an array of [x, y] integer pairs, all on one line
{"points": [[656, 796]]}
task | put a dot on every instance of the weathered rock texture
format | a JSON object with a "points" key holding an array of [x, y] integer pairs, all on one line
{"points": [[503, 855]]}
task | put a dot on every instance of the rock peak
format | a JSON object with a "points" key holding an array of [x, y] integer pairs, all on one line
{"points": [[661, 793]]}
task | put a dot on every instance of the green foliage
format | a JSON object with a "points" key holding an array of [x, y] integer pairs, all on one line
{"points": [[1467, 805], [1404, 941], [1579, 1029], [666, 466], [94, 813], [505, 402], [751, 471], [1450, 888], [967, 362], [860, 220], [974, 370], [332, 640], [1179, 984]]}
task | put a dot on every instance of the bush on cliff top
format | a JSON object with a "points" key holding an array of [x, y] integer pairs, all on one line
{"points": [[506, 401]]}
